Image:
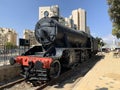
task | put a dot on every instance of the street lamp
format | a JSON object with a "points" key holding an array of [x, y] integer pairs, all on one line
{"points": [[101, 41]]}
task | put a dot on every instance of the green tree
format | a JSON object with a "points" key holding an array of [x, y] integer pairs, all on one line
{"points": [[100, 42], [9, 45], [114, 12], [116, 32]]}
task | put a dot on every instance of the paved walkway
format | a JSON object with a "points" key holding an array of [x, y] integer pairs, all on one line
{"points": [[104, 76]]}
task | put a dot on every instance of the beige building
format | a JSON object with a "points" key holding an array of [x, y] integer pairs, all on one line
{"points": [[52, 10], [29, 35], [7, 35], [69, 22], [82, 19], [75, 18], [79, 18]]}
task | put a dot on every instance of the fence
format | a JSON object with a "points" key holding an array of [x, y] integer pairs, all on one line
{"points": [[6, 54]]}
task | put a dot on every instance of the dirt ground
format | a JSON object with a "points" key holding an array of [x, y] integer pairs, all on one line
{"points": [[104, 76]]}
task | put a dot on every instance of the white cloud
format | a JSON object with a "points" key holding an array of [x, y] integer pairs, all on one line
{"points": [[94, 34], [110, 39]]}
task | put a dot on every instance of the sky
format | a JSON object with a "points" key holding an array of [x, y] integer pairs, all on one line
{"points": [[23, 14]]}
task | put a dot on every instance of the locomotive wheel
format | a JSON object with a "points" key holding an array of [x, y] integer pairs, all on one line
{"points": [[55, 69]]}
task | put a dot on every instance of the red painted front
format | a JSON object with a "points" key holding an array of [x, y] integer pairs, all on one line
{"points": [[23, 60]]}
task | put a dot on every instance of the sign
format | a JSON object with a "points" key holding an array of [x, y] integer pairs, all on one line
{"points": [[24, 42]]}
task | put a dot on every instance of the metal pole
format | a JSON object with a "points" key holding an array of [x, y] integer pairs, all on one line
{"points": [[4, 53], [101, 46]]}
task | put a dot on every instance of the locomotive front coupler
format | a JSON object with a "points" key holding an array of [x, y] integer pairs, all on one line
{"points": [[26, 70], [35, 72]]}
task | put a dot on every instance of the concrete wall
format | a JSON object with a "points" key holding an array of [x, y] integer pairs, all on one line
{"points": [[7, 72]]}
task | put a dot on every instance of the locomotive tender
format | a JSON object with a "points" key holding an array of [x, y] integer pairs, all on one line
{"points": [[62, 47]]}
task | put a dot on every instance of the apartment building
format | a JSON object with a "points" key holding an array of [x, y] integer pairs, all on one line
{"points": [[75, 18], [79, 18], [8, 35], [82, 19], [69, 22], [29, 35], [52, 10]]}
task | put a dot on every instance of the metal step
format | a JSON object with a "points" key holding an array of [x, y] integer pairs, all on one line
{"points": [[40, 78], [42, 75], [40, 71]]}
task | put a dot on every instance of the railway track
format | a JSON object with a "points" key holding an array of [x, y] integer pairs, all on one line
{"points": [[62, 77], [8, 85], [40, 86]]}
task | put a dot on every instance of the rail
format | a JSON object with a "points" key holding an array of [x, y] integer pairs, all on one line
{"points": [[11, 84]]}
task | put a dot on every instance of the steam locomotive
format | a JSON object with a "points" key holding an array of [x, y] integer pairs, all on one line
{"points": [[61, 47]]}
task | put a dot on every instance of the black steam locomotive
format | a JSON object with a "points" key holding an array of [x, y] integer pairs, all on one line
{"points": [[62, 47]]}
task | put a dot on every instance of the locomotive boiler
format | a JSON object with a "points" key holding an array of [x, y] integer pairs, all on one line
{"points": [[49, 30], [61, 47]]}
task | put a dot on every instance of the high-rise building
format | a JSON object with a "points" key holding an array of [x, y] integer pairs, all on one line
{"points": [[29, 35], [75, 18], [8, 35], [79, 18], [52, 10]]}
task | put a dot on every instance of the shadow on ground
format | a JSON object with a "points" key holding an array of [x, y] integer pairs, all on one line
{"points": [[84, 68], [102, 88]]}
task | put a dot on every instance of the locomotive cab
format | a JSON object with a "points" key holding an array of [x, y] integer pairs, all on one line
{"points": [[35, 50]]}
